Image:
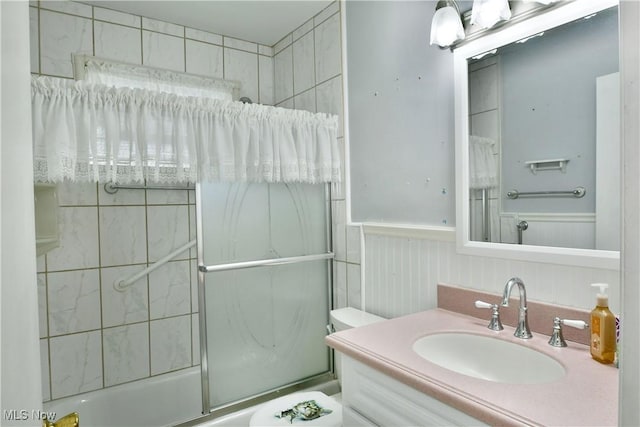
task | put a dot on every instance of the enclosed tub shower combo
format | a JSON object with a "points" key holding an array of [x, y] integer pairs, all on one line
{"points": [[262, 184]]}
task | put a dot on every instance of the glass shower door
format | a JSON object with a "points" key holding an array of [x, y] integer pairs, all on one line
{"points": [[265, 324]]}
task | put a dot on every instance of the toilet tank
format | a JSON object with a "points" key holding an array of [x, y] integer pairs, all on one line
{"points": [[349, 317]]}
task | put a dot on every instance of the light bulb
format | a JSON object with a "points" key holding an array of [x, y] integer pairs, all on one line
{"points": [[446, 27], [487, 13]]}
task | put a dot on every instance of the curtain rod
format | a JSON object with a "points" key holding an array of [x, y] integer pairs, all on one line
{"points": [[112, 188]]}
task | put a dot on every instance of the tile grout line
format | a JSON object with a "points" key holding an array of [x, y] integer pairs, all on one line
{"points": [[39, 41], [48, 334], [184, 51], [258, 77], [315, 72]]}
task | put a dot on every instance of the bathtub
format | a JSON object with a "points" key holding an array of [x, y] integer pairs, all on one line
{"points": [[163, 400], [242, 417]]}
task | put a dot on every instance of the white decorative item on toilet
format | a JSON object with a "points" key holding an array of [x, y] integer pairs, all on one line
{"points": [[271, 413], [268, 414]]}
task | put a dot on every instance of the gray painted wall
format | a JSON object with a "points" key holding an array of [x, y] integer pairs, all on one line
{"points": [[549, 110], [400, 115]]}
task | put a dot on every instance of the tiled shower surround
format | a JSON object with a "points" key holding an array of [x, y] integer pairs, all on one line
{"points": [[91, 335]]}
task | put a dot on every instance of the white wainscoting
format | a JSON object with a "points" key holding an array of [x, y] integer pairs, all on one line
{"points": [[403, 264], [571, 230]]}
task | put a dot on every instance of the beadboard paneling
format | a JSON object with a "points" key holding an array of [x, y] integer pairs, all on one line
{"points": [[402, 272]]}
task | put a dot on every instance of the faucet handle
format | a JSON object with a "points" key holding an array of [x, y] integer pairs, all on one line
{"points": [[557, 340], [578, 324], [495, 324], [482, 304]]}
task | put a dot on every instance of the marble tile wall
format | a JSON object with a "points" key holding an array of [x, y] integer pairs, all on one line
{"points": [[117, 337], [61, 28], [152, 328], [308, 76]]}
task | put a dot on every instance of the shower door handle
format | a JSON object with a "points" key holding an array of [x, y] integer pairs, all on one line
{"points": [[264, 262], [522, 226]]}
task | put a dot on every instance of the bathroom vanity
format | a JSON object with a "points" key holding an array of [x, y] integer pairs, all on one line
{"points": [[386, 382], [371, 398]]}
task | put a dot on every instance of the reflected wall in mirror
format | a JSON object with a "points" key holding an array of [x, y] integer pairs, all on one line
{"points": [[545, 124], [544, 119]]}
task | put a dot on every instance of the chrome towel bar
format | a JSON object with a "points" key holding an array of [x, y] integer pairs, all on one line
{"points": [[578, 192], [264, 262]]}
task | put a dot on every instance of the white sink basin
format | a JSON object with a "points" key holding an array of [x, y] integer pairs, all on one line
{"points": [[488, 358]]}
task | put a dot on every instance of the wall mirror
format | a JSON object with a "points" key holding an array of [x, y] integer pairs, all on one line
{"points": [[537, 107]]}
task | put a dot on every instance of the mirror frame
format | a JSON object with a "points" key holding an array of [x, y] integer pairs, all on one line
{"points": [[555, 17]]}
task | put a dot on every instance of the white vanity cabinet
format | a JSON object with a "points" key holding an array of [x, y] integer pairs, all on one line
{"points": [[371, 398]]}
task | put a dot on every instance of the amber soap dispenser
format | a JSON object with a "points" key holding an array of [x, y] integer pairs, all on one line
{"points": [[603, 328]]}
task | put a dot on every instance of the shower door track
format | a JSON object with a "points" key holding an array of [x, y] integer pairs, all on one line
{"points": [[317, 382]]}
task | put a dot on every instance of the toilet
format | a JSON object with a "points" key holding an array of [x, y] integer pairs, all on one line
{"points": [[341, 319]]}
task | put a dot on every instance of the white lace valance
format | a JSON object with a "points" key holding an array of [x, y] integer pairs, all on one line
{"points": [[91, 132], [119, 74], [483, 164]]}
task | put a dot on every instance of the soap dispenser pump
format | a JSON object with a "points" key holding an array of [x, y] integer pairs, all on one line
{"points": [[603, 328]]}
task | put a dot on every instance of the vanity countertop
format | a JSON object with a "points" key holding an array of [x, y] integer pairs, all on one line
{"points": [[586, 396]]}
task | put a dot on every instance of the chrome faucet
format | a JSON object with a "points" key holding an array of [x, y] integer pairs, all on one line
{"points": [[522, 330]]}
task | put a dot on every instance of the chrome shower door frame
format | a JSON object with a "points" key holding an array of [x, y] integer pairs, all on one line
{"points": [[204, 269]]}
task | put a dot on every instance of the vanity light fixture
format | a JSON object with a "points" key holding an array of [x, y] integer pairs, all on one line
{"points": [[446, 25], [487, 13]]}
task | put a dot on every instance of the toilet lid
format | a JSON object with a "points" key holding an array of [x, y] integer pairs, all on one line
{"points": [[266, 414]]}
